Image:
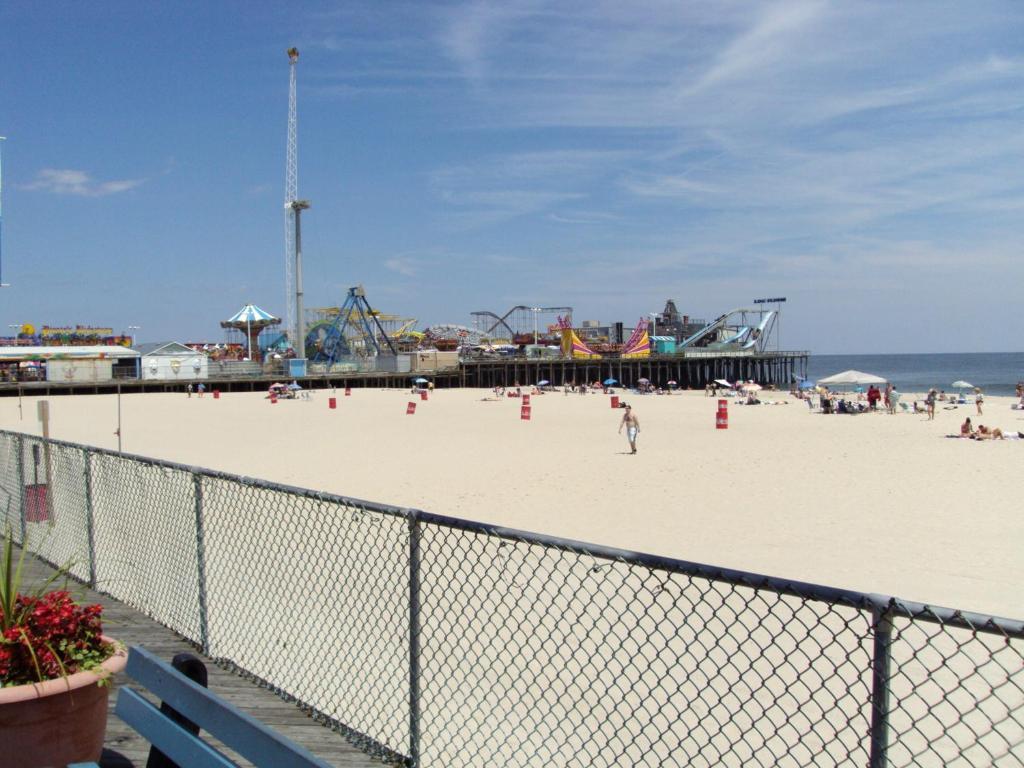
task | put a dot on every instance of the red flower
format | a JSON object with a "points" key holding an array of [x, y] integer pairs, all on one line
{"points": [[52, 636]]}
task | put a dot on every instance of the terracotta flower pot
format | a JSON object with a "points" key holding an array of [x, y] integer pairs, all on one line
{"points": [[59, 721]]}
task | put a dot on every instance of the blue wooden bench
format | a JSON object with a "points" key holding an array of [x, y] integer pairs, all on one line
{"points": [[235, 729]]}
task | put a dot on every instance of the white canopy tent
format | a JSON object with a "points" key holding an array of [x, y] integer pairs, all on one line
{"points": [[853, 379]]}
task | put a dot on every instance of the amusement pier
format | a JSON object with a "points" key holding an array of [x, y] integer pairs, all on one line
{"points": [[354, 345]]}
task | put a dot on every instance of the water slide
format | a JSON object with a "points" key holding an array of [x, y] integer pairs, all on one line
{"points": [[759, 332], [738, 333]]}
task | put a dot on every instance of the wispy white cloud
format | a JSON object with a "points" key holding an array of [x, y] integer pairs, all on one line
{"points": [[403, 265], [476, 30], [763, 45], [583, 217], [499, 187], [670, 186], [78, 183]]}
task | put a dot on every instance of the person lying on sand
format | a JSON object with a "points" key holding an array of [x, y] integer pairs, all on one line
{"points": [[985, 433]]}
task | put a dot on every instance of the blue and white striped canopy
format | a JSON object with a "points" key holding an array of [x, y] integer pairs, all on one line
{"points": [[250, 313]]}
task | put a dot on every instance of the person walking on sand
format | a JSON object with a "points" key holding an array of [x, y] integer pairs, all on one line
{"points": [[930, 402], [978, 399], [632, 425], [189, 389]]}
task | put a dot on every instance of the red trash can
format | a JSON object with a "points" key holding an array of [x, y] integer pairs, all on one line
{"points": [[614, 400], [722, 417], [216, 394], [332, 402]]}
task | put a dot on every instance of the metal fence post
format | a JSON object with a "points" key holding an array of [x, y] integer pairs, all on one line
{"points": [[881, 619], [414, 640], [89, 522], [204, 637], [20, 451]]}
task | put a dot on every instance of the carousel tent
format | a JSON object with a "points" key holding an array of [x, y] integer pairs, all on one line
{"points": [[169, 360], [251, 321], [250, 313]]}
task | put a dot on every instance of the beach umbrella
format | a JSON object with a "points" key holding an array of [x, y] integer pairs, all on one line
{"points": [[806, 384], [961, 384], [723, 382], [643, 381], [672, 382], [543, 383], [609, 381], [420, 380], [852, 378], [752, 387]]}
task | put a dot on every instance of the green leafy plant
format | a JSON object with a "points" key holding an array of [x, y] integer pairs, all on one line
{"points": [[44, 634]]}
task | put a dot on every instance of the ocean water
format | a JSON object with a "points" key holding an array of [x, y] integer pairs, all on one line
{"points": [[995, 373]]}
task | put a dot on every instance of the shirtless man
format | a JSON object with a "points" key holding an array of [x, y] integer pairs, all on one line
{"points": [[632, 425]]}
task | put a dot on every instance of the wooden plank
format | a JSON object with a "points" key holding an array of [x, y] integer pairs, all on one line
{"points": [[244, 734], [133, 628], [166, 735]]}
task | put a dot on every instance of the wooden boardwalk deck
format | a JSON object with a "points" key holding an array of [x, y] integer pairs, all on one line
{"points": [[134, 628]]}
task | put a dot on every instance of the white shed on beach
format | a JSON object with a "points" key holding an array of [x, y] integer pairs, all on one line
{"points": [[172, 361]]}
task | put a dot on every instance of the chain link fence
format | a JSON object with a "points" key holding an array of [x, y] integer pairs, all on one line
{"points": [[431, 641]]}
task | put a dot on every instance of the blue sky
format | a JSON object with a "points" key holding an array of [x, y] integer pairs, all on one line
{"points": [[866, 160]]}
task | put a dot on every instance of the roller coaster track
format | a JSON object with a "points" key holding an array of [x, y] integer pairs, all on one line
{"points": [[501, 322]]}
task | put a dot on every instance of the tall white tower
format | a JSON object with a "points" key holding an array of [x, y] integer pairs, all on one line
{"points": [[292, 249], [2, 283]]}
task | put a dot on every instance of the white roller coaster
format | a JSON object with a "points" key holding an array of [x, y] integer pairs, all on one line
{"points": [[458, 333]]}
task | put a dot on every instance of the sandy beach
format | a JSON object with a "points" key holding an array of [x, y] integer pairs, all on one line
{"points": [[871, 502]]}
